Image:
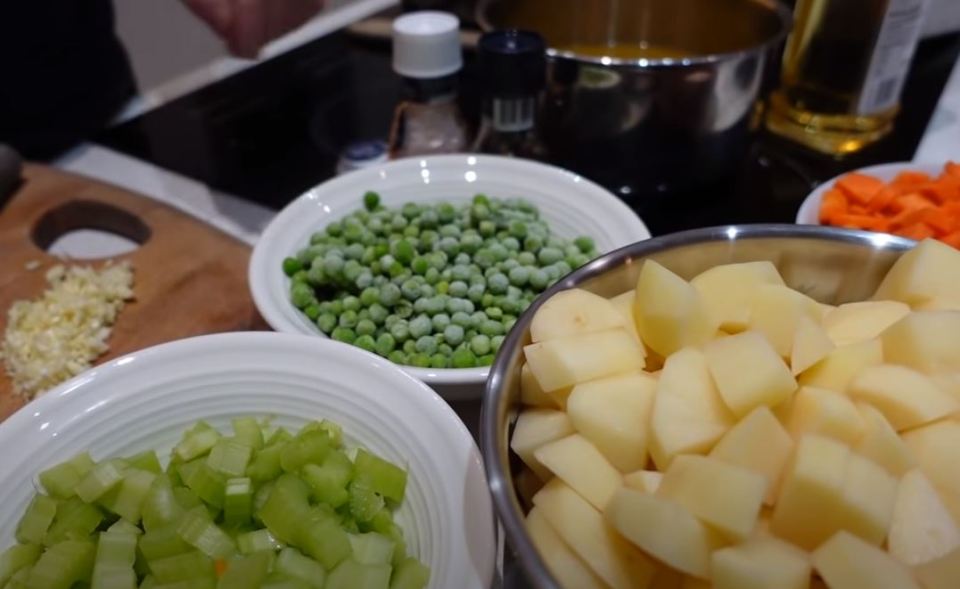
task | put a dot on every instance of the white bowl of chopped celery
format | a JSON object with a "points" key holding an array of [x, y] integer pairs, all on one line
{"points": [[259, 459], [437, 301]]}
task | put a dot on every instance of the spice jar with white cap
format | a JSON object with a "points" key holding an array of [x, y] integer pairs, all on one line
{"points": [[427, 54]]}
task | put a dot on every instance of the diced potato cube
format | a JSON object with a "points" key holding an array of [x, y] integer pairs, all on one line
{"points": [[727, 290], [614, 414], [565, 566], [761, 563], [647, 481], [748, 372], [531, 393], [935, 448], [688, 414], [619, 564], [869, 495], [825, 412], [723, 495], [566, 361], [667, 578], [665, 530], [949, 382], [941, 573], [928, 341], [534, 428], [810, 345], [929, 271], [813, 484], [758, 442], [881, 443], [573, 312], [847, 562], [922, 528], [577, 462], [623, 303], [776, 311], [905, 397], [851, 323], [839, 367], [670, 314]]}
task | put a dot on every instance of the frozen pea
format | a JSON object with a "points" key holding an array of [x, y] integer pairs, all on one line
{"points": [[509, 323], [302, 295], [458, 288], [351, 303], [498, 252], [432, 275], [461, 259], [398, 223], [584, 244], [446, 212], [439, 360], [410, 347], [343, 334], [487, 228], [478, 278], [389, 295], [336, 307], [435, 305], [485, 360], [526, 258], [494, 312], [403, 309], [403, 251], [400, 331], [484, 258], [477, 319], [326, 322], [390, 321], [539, 279], [351, 270], [420, 305], [495, 342], [291, 266], [410, 289], [512, 244], [385, 344], [449, 245], [519, 275], [348, 319], [397, 357], [364, 280], [420, 360], [480, 345], [411, 231], [463, 358], [475, 292], [420, 326], [470, 243], [563, 268], [428, 290], [453, 333], [491, 328], [426, 344], [498, 283], [487, 300], [333, 265], [440, 322], [419, 265], [369, 296], [549, 255], [366, 342], [577, 260], [365, 327], [410, 210], [378, 313], [518, 229]]}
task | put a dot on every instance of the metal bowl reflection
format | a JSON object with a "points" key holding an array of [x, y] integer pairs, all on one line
{"points": [[829, 264]]}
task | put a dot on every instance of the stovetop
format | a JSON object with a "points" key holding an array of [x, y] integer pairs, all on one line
{"points": [[270, 132]]}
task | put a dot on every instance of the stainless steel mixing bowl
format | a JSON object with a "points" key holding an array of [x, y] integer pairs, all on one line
{"points": [[831, 265]]}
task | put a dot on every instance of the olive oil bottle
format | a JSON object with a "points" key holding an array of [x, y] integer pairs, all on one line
{"points": [[843, 70]]}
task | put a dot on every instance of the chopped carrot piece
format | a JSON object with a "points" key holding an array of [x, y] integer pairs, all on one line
{"points": [[882, 199], [909, 217], [910, 201], [834, 204], [952, 239], [910, 178], [916, 231], [952, 168], [868, 222], [859, 187]]}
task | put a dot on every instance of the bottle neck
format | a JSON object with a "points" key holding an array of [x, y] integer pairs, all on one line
{"points": [[430, 90], [516, 114]]}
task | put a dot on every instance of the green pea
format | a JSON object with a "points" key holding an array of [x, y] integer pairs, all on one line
{"points": [[461, 319], [302, 295], [453, 333], [439, 360], [458, 288], [494, 312], [344, 334], [420, 326], [539, 279], [334, 229], [411, 231], [403, 309], [427, 344], [549, 255], [470, 243], [485, 360], [312, 311], [463, 358], [410, 347], [480, 345], [432, 275], [532, 243], [491, 328], [429, 219], [403, 251], [351, 303], [496, 342], [369, 296], [366, 342], [484, 258], [487, 228], [498, 283], [475, 292], [365, 327], [519, 275], [348, 319], [397, 357], [518, 229], [336, 307], [419, 265], [487, 300], [364, 280], [410, 210], [389, 295], [440, 322], [420, 360], [477, 319], [327, 322], [371, 200], [385, 344], [291, 266], [400, 331], [378, 313], [446, 212]]}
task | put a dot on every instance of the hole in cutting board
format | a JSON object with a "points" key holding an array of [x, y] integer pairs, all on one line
{"points": [[86, 229]]}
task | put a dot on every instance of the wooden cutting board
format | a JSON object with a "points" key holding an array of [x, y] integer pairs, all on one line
{"points": [[189, 277]]}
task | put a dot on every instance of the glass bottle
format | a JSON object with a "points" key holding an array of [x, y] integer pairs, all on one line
{"points": [[843, 70], [427, 54], [513, 72]]}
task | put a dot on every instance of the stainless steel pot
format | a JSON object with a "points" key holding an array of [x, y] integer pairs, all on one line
{"points": [[676, 119], [832, 265]]}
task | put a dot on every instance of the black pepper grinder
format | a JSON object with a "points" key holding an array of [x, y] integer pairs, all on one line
{"points": [[512, 67]]}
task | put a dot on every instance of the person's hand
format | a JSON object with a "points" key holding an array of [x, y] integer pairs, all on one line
{"points": [[247, 25]]}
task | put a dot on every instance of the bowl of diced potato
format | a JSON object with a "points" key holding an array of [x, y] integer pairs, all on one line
{"points": [[735, 407]]}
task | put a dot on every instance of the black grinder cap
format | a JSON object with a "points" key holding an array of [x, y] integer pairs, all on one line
{"points": [[512, 63]]}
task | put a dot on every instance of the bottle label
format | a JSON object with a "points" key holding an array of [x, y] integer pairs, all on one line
{"points": [[513, 114], [892, 53]]}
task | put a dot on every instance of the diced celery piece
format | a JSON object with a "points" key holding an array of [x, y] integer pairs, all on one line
{"points": [[306, 448], [410, 574], [297, 566], [149, 582], [260, 498], [350, 574], [229, 457], [328, 482], [74, 520], [265, 465], [334, 431], [127, 498], [186, 498], [207, 483], [245, 572], [113, 567], [19, 579], [162, 543], [371, 548], [113, 577], [278, 581], [279, 436], [197, 583], [62, 565], [256, 541], [382, 476], [196, 443], [364, 502], [61, 480], [147, 461], [321, 538], [36, 521], [16, 558], [285, 508], [197, 529], [238, 501], [382, 523], [102, 478], [247, 431], [160, 508], [182, 567]]}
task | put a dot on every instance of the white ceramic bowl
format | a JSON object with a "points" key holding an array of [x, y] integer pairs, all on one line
{"points": [[571, 204], [809, 212], [145, 401]]}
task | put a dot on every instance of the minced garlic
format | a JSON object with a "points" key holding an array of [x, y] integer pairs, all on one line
{"points": [[60, 334]]}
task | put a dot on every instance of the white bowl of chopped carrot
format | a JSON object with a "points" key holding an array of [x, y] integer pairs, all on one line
{"points": [[910, 199]]}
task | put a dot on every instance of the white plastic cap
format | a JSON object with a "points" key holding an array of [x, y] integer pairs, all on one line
{"points": [[426, 44]]}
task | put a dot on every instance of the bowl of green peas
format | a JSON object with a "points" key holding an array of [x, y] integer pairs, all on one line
{"points": [[429, 262]]}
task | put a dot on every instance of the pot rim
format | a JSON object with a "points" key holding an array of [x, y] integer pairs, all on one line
{"points": [[777, 7]]}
